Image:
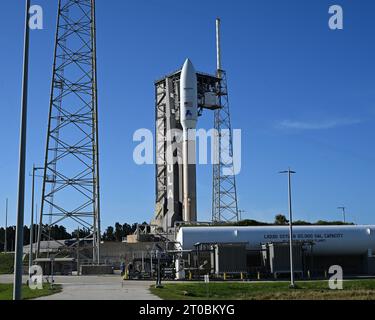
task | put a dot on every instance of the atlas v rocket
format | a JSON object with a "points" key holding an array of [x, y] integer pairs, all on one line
{"points": [[189, 119]]}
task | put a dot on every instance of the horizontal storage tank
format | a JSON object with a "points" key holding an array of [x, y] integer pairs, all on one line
{"points": [[328, 240]]}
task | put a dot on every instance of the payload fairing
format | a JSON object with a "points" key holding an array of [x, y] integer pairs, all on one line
{"points": [[189, 97]]}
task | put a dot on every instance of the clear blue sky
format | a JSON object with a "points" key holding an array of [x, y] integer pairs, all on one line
{"points": [[303, 95]]}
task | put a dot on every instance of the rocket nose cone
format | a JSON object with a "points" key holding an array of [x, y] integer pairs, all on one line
{"points": [[187, 62], [188, 66], [188, 96]]}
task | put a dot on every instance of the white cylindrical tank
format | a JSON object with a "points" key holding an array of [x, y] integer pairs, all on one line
{"points": [[328, 240]]}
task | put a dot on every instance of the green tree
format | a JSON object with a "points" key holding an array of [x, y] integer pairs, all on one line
{"points": [[83, 233], [281, 220], [109, 234], [118, 232], [126, 229]]}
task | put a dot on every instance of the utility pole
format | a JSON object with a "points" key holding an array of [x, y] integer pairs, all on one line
{"points": [[32, 217], [290, 172], [6, 226], [17, 287], [343, 212], [32, 222], [36, 224], [78, 261], [241, 212]]}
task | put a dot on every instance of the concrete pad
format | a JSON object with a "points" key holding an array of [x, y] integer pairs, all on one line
{"points": [[96, 288]]}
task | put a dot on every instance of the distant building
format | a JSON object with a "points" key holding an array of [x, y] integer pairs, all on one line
{"points": [[52, 246]]}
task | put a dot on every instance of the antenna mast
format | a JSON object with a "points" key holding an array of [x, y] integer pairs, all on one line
{"points": [[224, 202]]}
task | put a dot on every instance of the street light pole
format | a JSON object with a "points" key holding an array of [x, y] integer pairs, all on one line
{"points": [[6, 226], [343, 212], [32, 217], [17, 287], [241, 212], [36, 224], [32, 221], [158, 279], [290, 172]]}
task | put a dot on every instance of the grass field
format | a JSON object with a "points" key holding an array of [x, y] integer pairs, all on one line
{"points": [[6, 263], [319, 290], [6, 292]]}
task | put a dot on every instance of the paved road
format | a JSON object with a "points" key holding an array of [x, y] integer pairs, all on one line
{"points": [[97, 288]]}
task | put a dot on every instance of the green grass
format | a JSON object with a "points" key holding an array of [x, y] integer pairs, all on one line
{"points": [[319, 290], [6, 263], [6, 292]]}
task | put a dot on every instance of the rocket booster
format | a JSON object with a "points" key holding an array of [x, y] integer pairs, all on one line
{"points": [[189, 119]]}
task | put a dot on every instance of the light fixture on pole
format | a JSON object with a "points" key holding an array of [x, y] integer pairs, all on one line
{"points": [[290, 172], [343, 212]]}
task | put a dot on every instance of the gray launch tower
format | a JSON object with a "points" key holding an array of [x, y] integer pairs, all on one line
{"points": [[169, 166]]}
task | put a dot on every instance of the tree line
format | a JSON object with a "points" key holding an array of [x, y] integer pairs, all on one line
{"points": [[56, 232], [120, 231], [112, 233], [281, 220]]}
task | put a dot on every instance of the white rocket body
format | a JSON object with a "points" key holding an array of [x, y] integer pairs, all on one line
{"points": [[189, 119]]}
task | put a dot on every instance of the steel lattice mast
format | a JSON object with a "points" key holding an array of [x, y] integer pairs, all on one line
{"points": [[224, 202], [70, 194]]}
